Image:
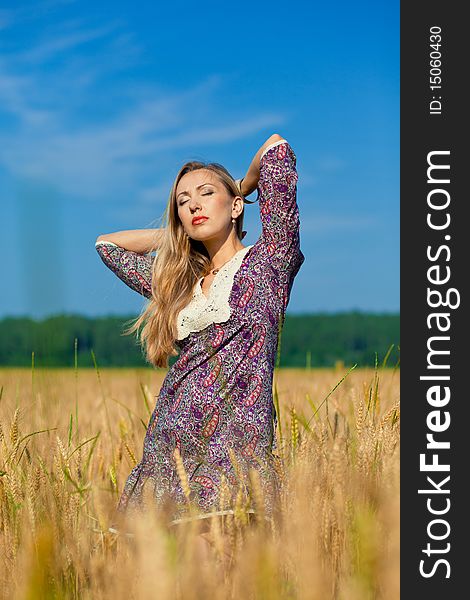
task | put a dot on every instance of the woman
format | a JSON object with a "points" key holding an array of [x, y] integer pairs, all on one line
{"points": [[222, 304]]}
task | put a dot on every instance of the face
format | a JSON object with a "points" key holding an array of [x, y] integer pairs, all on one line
{"points": [[200, 193]]}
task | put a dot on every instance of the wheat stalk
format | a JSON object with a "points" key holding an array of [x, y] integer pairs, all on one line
{"points": [[183, 476]]}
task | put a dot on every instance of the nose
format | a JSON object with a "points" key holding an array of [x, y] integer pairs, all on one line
{"points": [[194, 204]]}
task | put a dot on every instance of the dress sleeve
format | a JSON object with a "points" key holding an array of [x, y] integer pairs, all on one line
{"points": [[277, 194], [131, 267]]}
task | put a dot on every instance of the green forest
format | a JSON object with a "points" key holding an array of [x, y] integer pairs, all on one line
{"points": [[310, 340]]}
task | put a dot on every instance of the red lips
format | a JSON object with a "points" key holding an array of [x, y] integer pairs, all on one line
{"points": [[200, 219]]}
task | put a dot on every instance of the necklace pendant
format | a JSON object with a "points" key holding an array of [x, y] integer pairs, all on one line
{"points": [[215, 271]]}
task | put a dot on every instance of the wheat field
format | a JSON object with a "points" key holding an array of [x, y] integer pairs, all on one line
{"points": [[69, 438]]}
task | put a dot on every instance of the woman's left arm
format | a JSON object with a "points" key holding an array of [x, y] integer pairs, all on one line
{"points": [[249, 183], [274, 168]]}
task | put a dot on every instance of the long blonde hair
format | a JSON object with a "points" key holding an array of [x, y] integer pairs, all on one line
{"points": [[179, 263]]}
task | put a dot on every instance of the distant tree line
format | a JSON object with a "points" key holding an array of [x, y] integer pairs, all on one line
{"points": [[315, 340]]}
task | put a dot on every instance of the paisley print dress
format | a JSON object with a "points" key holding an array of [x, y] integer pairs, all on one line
{"points": [[215, 404]]}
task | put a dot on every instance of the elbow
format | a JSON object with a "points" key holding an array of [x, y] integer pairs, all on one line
{"points": [[103, 241], [99, 246], [275, 138], [102, 238]]}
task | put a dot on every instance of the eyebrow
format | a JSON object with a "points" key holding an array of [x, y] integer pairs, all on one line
{"points": [[197, 187]]}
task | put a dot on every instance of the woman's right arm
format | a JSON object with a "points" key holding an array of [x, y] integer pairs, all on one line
{"points": [[142, 241], [126, 253]]}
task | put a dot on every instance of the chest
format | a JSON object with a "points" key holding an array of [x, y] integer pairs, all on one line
{"points": [[206, 284], [210, 300]]}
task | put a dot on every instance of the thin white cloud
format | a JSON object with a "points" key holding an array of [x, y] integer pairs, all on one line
{"points": [[51, 138], [12, 17], [96, 158], [50, 48], [15, 99]]}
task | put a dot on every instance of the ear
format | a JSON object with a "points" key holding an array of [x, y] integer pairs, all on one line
{"points": [[237, 206]]}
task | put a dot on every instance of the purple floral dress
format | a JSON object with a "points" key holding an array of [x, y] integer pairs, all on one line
{"points": [[215, 404]]}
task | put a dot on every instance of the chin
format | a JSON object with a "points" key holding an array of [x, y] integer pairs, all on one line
{"points": [[202, 236], [198, 238]]}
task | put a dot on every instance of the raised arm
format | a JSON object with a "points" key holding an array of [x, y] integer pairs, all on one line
{"points": [[249, 183], [273, 172], [132, 267], [273, 169], [142, 241]]}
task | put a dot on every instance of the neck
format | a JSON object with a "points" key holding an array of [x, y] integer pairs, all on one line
{"points": [[222, 251]]}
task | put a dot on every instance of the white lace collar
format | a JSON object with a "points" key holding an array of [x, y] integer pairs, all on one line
{"points": [[201, 310]]}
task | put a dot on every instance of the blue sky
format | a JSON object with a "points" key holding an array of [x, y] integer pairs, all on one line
{"points": [[101, 103]]}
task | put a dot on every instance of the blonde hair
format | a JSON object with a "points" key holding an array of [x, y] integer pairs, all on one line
{"points": [[179, 263]]}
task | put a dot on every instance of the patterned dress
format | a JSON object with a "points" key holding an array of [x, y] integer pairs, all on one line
{"points": [[215, 404]]}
